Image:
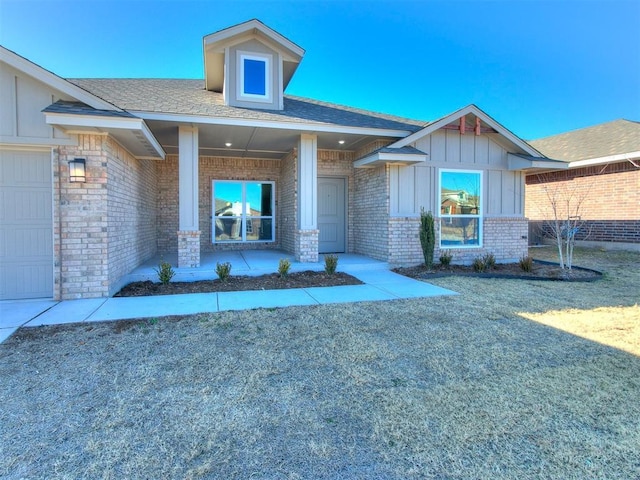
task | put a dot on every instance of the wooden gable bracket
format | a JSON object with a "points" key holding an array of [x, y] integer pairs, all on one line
{"points": [[461, 127], [463, 124]]}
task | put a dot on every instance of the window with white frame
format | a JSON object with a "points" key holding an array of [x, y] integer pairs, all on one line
{"points": [[254, 77], [243, 211], [460, 209]]}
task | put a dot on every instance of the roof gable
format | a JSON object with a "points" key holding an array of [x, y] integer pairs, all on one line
{"points": [[484, 123], [52, 80]]}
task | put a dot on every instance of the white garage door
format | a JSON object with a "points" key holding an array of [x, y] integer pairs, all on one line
{"points": [[26, 237]]}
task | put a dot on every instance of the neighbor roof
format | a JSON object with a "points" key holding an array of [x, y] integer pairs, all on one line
{"points": [[604, 140], [189, 97]]}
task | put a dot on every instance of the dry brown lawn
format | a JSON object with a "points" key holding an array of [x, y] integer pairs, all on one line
{"points": [[510, 379]]}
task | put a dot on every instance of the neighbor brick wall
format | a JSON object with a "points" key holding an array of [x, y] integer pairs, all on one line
{"points": [[131, 207], [610, 205]]}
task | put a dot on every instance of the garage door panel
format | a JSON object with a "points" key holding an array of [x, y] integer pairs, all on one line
{"points": [[26, 226]]}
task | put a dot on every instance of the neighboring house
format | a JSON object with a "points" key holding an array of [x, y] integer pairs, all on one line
{"points": [[99, 175], [603, 173]]}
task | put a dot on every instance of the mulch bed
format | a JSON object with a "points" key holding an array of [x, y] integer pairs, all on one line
{"points": [[241, 282], [541, 271]]}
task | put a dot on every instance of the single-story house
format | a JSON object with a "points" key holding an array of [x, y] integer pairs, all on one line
{"points": [[99, 175], [603, 175]]}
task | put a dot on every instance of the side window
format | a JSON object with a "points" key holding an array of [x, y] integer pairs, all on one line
{"points": [[254, 77], [460, 209]]}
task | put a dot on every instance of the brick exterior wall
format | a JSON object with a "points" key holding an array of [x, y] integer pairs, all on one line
{"points": [[189, 249], [210, 168], [104, 227], [611, 200], [306, 245], [287, 212], [371, 212], [504, 237], [131, 209]]}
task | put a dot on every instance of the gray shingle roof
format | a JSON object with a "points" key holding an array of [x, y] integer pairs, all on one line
{"points": [[188, 97], [79, 108], [612, 138]]}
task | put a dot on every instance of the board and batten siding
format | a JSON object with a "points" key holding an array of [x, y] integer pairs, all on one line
{"points": [[22, 99], [415, 186]]}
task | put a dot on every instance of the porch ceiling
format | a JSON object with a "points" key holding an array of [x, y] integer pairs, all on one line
{"points": [[250, 142]]}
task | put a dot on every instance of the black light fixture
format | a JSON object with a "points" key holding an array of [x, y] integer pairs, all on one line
{"points": [[77, 171]]}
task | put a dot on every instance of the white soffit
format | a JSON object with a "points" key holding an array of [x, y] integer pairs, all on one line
{"points": [[132, 133]]}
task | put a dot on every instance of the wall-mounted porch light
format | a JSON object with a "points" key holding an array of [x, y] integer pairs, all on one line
{"points": [[77, 171]]}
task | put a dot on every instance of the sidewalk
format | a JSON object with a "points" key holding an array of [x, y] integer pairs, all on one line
{"points": [[379, 284]]}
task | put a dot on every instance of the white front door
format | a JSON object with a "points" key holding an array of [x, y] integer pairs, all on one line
{"points": [[26, 225], [331, 215]]}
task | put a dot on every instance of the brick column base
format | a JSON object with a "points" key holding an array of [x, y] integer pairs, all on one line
{"points": [[306, 245], [188, 249]]}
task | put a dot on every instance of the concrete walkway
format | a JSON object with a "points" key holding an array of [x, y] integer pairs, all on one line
{"points": [[379, 284]]}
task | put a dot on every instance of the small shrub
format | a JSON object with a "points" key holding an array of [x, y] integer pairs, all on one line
{"points": [[489, 261], [283, 267], [223, 270], [330, 264], [427, 237], [165, 272], [526, 263], [445, 259], [479, 265]]}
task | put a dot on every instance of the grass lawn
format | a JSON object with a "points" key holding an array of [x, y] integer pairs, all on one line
{"points": [[510, 379]]}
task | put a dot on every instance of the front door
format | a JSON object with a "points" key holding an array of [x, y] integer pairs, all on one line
{"points": [[331, 215]]}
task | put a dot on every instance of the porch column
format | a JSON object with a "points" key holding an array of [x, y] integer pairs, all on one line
{"points": [[306, 242], [189, 231]]}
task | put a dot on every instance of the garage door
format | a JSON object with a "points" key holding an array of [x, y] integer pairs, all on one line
{"points": [[26, 237]]}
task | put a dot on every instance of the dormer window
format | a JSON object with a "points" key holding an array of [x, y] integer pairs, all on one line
{"points": [[254, 76]]}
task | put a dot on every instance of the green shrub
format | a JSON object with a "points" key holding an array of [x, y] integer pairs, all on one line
{"points": [[427, 237], [330, 264], [283, 267], [479, 265], [445, 259], [165, 272], [526, 263], [489, 261], [223, 270]]}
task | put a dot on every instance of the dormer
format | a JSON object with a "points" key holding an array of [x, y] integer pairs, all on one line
{"points": [[250, 64]]}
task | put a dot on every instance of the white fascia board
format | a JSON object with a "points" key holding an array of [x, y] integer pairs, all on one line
{"points": [[91, 121], [385, 157], [432, 127], [241, 122], [516, 162], [54, 81], [608, 159]]}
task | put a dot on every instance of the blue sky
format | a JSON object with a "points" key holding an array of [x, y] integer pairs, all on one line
{"points": [[537, 67]]}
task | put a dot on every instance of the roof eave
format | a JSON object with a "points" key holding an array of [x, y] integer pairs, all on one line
{"points": [[120, 128]]}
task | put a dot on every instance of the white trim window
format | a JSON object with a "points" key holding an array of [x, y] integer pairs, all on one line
{"points": [[254, 76], [460, 197], [243, 211]]}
